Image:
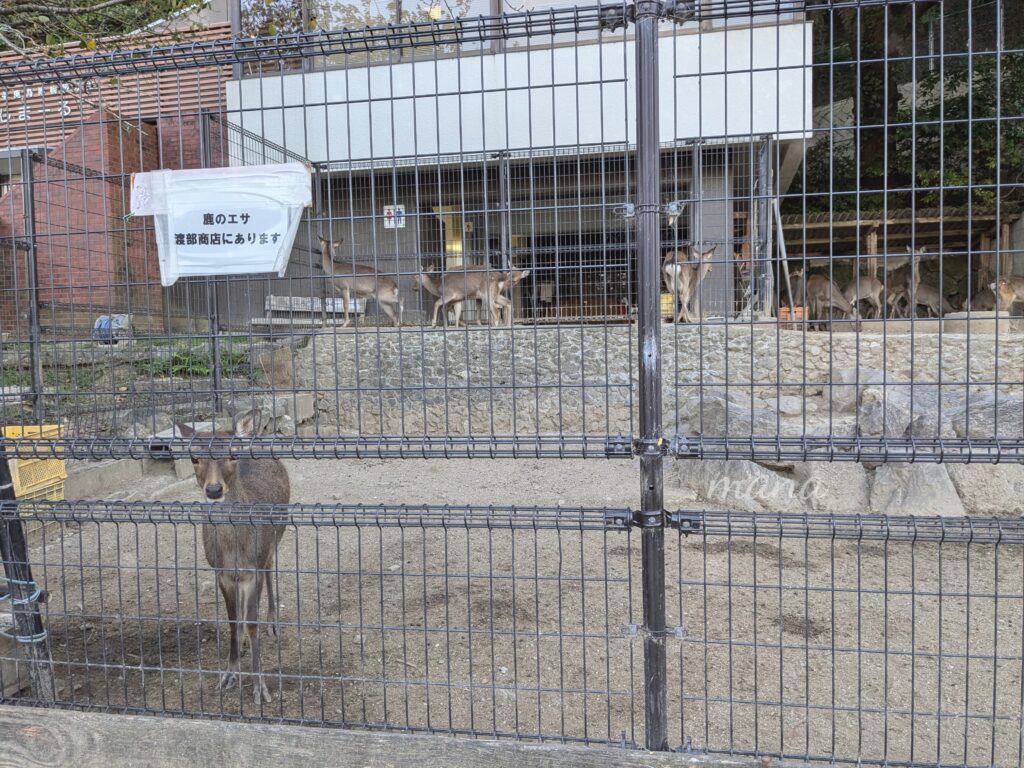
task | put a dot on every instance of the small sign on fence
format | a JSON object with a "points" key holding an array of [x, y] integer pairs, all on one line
{"points": [[223, 221], [394, 217]]}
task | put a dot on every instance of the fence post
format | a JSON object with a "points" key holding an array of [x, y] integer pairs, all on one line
{"points": [[32, 276], [212, 308], [22, 591], [651, 516]]}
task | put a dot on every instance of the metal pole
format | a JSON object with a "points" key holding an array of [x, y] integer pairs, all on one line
{"points": [[22, 591], [651, 516], [212, 313], [503, 190], [35, 335]]}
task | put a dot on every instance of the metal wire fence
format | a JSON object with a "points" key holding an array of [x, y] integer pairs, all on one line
{"points": [[757, 231]]}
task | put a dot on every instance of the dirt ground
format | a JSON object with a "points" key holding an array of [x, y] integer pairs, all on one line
{"points": [[806, 647]]}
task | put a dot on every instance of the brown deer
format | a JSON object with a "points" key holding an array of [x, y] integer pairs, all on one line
{"points": [[902, 285], [983, 301], [928, 296], [431, 282], [241, 554], [365, 282], [483, 285], [865, 288], [1008, 291], [683, 278], [823, 296]]}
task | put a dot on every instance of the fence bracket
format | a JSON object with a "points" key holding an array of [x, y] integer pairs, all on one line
{"points": [[618, 448], [617, 519], [686, 522]]}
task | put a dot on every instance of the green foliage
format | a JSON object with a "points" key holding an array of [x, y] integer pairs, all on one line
{"points": [[195, 364], [81, 21], [953, 134]]}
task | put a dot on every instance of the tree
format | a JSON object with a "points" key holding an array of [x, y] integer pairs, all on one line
{"points": [[923, 133], [29, 24]]}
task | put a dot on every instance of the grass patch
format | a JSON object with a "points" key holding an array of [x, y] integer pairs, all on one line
{"points": [[195, 364]]}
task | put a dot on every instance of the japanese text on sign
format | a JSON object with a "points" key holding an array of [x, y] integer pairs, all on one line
{"points": [[201, 231], [39, 102]]}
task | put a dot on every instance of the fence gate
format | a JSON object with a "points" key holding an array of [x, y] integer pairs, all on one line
{"points": [[763, 257]]}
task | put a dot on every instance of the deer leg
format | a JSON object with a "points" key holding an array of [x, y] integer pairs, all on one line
{"points": [[437, 308], [345, 294], [251, 593], [271, 605], [230, 676]]}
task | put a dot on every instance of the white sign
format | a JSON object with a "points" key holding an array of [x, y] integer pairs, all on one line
{"points": [[394, 217], [223, 221]]}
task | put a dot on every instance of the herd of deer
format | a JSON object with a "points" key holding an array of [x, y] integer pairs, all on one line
{"points": [[452, 291], [899, 295]]}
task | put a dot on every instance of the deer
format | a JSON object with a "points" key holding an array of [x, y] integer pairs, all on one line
{"points": [[865, 288], [903, 282], [1008, 291], [928, 296], [365, 282], [242, 555], [824, 295], [983, 301], [683, 278], [431, 283], [486, 286]]}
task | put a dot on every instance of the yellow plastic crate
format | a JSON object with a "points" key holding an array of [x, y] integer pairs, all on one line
{"points": [[37, 478], [668, 305]]}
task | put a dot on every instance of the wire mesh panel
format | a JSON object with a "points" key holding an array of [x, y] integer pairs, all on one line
{"points": [[872, 152], [461, 285], [500, 621], [857, 639]]}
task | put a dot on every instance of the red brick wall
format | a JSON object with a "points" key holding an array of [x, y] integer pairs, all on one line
{"points": [[89, 257]]}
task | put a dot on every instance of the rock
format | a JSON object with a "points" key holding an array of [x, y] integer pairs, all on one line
{"points": [[840, 487], [789, 405], [915, 489], [283, 425], [980, 416], [738, 485], [989, 489], [719, 417], [907, 410], [847, 384]]}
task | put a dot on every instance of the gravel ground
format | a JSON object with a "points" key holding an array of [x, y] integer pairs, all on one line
{"points": [[775, 644]]}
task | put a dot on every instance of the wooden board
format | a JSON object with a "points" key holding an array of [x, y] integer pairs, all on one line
{"points": [[40, 737]]}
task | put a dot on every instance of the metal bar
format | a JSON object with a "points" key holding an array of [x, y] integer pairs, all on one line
{"points": [[22, 591], [35, 334], [651, 516], [212, 303]]}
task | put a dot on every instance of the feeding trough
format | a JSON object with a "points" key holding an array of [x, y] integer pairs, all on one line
{"points": [[223, 221]]}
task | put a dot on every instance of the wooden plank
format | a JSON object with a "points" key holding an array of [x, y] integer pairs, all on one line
{"points": [[41, 737]]}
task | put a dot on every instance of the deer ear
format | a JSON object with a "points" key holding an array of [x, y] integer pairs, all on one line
{"points": [[247, 424]]}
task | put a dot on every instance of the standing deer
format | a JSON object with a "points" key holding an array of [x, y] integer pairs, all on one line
{"points": [[683, 279], [241, 554], [902, 284], [928, 296], [431, 282], [365, 282], [865, 288], [823, 296], [483, 285]]}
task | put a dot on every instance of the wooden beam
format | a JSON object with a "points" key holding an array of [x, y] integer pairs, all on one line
{"points": [[1005, 254], [59, 738], [855, 223], [901, 237], [872, 248]]}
